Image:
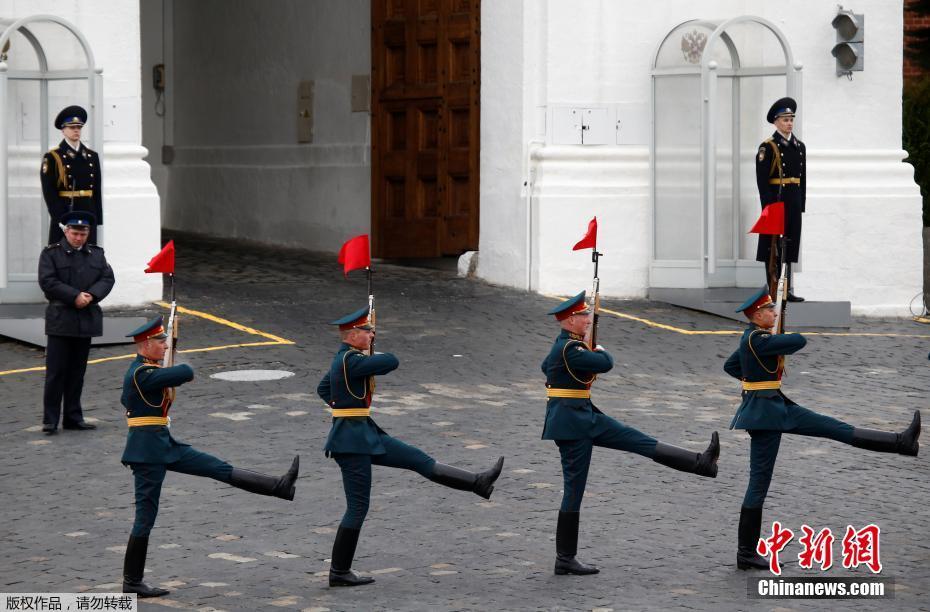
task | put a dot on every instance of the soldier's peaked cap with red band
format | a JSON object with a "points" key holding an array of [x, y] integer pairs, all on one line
{"points": [[573, 305], [759, 299], [356, 320], [151, 329]]}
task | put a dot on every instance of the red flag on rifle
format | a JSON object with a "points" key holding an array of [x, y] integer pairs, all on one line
{"points": [[590, 238], [164, 261], [771, 221], [355, 254]]}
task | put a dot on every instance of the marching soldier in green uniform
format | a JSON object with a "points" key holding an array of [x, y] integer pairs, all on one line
{"points": [[71, 175], [765, 413], [356, 442], [576, 426], [151, 450]]}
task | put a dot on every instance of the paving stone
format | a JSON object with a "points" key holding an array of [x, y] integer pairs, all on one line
{"points": [[469, 375]]}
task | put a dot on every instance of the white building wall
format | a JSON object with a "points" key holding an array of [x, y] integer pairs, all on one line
{"points": [[862, 226], [131, 209], [238, 169]]}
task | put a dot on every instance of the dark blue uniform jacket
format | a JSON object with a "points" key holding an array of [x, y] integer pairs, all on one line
{"points": [[64, 273], [145, 389], [350, 384], [571, 365], [64, 169], [756, 360]]}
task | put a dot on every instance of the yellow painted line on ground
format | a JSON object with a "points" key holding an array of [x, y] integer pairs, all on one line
{"points": [[273, 340], [228, 323], [737, 332], [677, 330]]}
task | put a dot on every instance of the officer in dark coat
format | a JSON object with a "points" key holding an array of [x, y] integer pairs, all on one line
{"points": [[151, 450], [765, 413], [781, 177], [75, 277], [71, 175], [576, 425], [356, 442]]}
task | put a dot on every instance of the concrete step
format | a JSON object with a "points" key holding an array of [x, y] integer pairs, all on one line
{"points": [[26, 323], [723, 301]]}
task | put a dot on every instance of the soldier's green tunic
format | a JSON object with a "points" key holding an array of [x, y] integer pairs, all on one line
{"points": [[151, 450], [766, 414], [576, 424], [357, 442]]}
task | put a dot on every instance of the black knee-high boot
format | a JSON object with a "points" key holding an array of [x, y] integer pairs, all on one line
{"points": [[750, 526], [253, 482], [566, 546], [702, 464], [904, 443], [340, 570], [463, 480], [134, 568]]}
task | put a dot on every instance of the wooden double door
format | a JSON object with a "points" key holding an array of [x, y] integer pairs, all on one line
{"points": [[425, 127]]}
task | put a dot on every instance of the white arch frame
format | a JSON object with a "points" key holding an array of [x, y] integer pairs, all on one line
{"points": [[709, 72], [91, 73]]}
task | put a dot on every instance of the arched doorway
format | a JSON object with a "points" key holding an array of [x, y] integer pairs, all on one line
{"points": [[711, 84], [34, 85]]}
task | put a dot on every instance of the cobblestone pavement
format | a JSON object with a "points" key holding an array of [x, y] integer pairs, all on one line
{"points": [[468, 389]]}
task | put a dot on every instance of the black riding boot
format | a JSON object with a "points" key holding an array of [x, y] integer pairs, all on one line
{"points": [[566, 547], [904, 443], [463, 480], [340, 572], [750, 526], [702, 464], [134, 568], [253, 482]]}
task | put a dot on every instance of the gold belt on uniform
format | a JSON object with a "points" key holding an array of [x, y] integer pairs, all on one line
{"points": [[571, 393], [785, 181], [83, 193], [761, 386], [351, 412], [143, 421]]}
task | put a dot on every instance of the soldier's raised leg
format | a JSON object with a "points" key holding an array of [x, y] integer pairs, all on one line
{"points": [[616, 435], [356, 478]]}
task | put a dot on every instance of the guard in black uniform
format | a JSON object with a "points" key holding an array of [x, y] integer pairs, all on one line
{"points": [[71, 175], [75, 277], [781, 177], [151, 451], [766, 413], [577, 426], [356, 442]]}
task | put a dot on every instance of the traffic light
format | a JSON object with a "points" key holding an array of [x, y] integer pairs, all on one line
{"points": [[848, 50]]}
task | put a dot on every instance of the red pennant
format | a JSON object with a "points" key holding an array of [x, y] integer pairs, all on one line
{"points": [[164, 261], [590, 238], [771, 221], [355, 254]]}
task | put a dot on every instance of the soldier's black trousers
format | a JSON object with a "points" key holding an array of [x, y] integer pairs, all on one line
{"points": [[65, 364], [763, 449], [356, 474], [576, 455], [150, 476]]}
